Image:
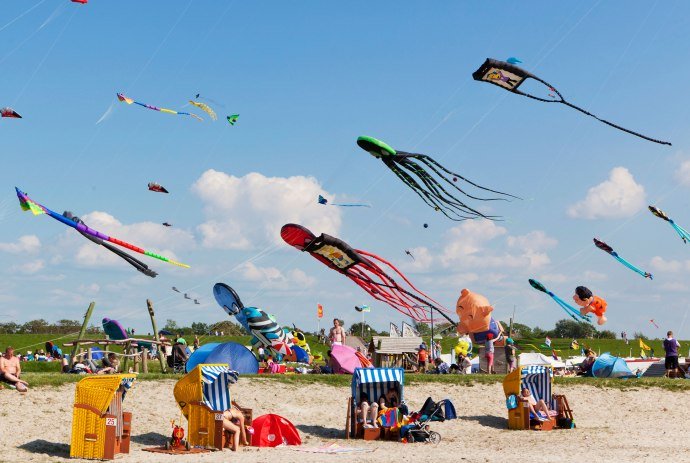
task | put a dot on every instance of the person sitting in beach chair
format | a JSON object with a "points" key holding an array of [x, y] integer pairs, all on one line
{"points": [[537, 408], [367, 412], [233, 421]]}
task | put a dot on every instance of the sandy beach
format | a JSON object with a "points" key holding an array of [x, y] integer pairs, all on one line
{"points": [[612, 425]]}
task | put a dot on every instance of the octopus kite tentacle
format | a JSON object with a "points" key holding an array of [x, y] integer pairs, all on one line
{"points": [[425, 176]]}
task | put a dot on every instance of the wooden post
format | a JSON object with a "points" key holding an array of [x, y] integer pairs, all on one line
{"points": [[161, 348], [145, 360], [135, 362], [125, 358], [82, 332]]}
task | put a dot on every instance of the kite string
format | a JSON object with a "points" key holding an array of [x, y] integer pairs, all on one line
{"points": [[21, 15]]}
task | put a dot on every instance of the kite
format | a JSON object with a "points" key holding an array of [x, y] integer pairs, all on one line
{"points": [[196, 301], [166, 224], [232, 119], [363, 269], [157, 187], [426, 186], [128, 100], [28, 204], [653, 323], [510, 77], [608, 249], [83, 2], [324, 202], [186, 296], [9, 112], [199, 97], [205, 108], [362, 308], [569, 309], [136, 263], [426, 225], [407, 251], [513, 60], [590, 303], [175, 289], [683, 233]]}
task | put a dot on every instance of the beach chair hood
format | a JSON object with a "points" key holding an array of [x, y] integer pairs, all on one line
{"points": [[375, 382], [207, 384]]}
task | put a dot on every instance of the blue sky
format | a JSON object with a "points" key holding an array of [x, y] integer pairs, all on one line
{"points": [[307, 79]]}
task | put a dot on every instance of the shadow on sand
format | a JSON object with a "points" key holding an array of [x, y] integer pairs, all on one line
{"points": [[497, 422], [321, 431], [54, 449]]}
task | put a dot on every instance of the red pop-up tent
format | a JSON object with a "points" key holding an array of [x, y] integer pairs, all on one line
{"points": [[273, 430]]}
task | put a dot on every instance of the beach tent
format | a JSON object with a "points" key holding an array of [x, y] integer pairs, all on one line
{"points": [[97, 353], [273, 430], [235, 356], [199, 355], [534, 358], [608, 366], [301, 355]]}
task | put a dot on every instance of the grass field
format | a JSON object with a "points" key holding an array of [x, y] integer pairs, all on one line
{"points": [[41, 374]]}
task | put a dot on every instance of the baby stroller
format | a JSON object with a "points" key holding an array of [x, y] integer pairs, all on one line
{"points": [[419, 430]]}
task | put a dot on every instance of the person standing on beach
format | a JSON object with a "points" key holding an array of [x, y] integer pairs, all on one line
{"points": [[671, 346], [337, 334], [489, 353]]}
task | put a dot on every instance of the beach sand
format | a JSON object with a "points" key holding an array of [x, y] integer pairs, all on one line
{"points": [[612, 425]]}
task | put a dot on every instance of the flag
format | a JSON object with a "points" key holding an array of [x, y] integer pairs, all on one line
{"points": [[574, 345], [554, 355], [644, 346], [319, 311]]}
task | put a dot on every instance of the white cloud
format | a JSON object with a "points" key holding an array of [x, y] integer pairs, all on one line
{"points": [[274, 278], [29, 244], [31, 267], [682, 173], [618, 197], [467, 247], [243, 211], [148, 235], [659, 264]]}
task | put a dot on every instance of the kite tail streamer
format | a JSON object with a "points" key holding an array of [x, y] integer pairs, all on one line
{"points": [[583, 111], [632, 267], [570, 310], [683, 233]]}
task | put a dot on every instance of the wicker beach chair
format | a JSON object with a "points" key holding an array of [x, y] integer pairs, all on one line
{"points": [[100, 429]]}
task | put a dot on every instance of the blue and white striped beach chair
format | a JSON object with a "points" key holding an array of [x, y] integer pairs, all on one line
{"points": [[374, 382]]}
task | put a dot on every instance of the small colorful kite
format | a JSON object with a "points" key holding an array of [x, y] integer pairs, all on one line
{"points": [[28, 204], [324, 202], [83, 2], [232, 119], [9, 112], [608, 249], [157, 187], [653, 323], [432, 192], [510, 77], [569, 309], [513, 60], [128, 100], [206, 108], [682, 232], [363, 269], [407, 251]]}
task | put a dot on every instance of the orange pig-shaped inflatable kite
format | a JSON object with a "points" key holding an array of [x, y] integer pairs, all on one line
{"points": [[474, 311]]}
